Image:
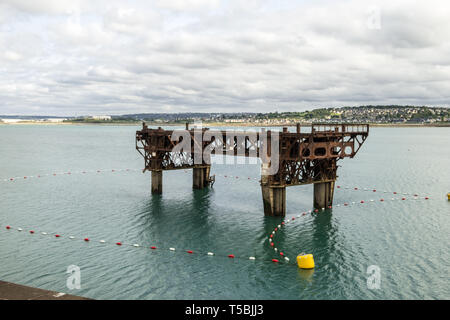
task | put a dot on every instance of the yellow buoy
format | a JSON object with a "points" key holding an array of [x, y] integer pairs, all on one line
{"points": [[448, 196], [305, 261]]}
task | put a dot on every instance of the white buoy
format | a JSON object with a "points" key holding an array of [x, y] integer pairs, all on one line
{"points": [[19, 229], [135, 245], [71, 237], [210, 254], [44, 233], [172, 249], [251, 258], [102, 241]]}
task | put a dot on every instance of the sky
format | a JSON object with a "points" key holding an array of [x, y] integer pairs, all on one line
{"points": [[76, 57]]}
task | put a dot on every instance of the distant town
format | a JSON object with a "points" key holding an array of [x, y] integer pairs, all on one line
{"points": [[387, 115]]}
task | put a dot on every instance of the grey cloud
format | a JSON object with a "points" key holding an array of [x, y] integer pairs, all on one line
{"points": [[81, 57]]}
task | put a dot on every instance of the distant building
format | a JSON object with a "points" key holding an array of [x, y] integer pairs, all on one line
{"points": [[13, 120], [101, 117], [55, 119]]}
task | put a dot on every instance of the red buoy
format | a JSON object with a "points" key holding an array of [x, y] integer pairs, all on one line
{"points": [[57, 235], [11, 179], [362, 201], [281, 254], [271, 244], [271, 235], [356, 188], [274, 260], [86, 239], [426, 198], [317, 210], [31, 231], [293, 218], [374, 190], [345, 204], [403, 198], [190, 251], [119, 243], [395, 192], [8, 227], [338, 186], [283, 222], [276, 229], [381, 199], [329, 207], [153, 247], [231, 256]]}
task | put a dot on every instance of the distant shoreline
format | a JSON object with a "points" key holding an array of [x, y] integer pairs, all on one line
{"points": [[214, 124]]}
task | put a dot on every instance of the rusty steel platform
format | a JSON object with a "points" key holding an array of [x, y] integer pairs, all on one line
{"points": [[288, 158]]}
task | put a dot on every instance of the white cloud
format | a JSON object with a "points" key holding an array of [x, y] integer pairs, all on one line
{"points": [[75, 57]]}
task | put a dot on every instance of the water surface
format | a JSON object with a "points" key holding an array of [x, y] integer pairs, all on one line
{"points": [[408, 240]]}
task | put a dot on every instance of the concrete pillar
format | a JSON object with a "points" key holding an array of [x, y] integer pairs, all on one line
{"points": [[157, 180], [200, 177], [323, 194], [274, 200]]}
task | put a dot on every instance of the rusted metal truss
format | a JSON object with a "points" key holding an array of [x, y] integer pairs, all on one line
{"points": [[304, 157]]}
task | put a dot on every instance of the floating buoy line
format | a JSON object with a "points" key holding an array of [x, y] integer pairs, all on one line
{"points": [[153, 248], [65, 173], [82, 172], [280, 255]]}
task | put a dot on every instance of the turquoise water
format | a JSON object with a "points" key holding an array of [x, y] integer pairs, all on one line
{"points": [[407, 240]]}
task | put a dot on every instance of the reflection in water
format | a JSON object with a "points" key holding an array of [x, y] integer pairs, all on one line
{"points": [[306, 274], [201, 201], [323, 238], [171, 220]]}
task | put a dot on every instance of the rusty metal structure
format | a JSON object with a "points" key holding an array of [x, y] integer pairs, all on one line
{"points": [[303, 157]]}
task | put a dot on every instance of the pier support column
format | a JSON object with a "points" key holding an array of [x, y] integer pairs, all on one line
{"points": [[274, 199], [274, 196], [323, 194], [157, 182], [200, 177]]}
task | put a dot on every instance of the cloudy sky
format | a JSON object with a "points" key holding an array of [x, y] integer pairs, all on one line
{"points": [[81, 57]]}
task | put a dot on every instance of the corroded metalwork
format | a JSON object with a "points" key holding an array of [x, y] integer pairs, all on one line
{"points": [[304, 157]]}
